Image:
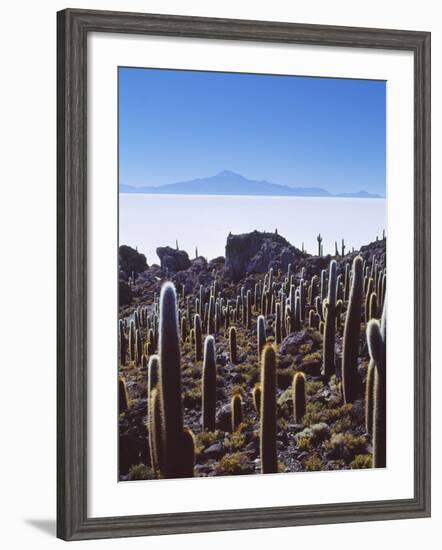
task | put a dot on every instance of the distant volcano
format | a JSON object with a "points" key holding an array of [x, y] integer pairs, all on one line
{"points": [[231, 183]]}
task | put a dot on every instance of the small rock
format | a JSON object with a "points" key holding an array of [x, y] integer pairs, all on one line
{"points": [[216, 450]]}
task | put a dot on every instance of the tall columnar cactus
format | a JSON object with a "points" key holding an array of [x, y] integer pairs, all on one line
{"points": [[302, 300], [123, 402], [297, 315], [369, 389], [122, 342], [261, 330], [236, 411], [249, 309], [323, 284], [298, 396], [256, 396], [132, 349], [373, 306], [278, 334], [153, 372], [319, 308], [155, 433], [209, 385], [170, 377], [269, 464], [377, 345], [346, 283], [198, 337], [232, 345], [367, 299], [319, 239], [350, 377], [330, 311], [188, 457], [211, 316], [138, 346], [313, 289]]}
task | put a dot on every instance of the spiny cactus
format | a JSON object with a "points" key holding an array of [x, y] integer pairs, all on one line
{"points": [[278, 335], [369, 389], [377, 342], [123, 402], [367, 299], [209, 385], [198, 337], [170, 376], [232, 345], [138, 346], [236, 411], [153, 372], [188, 456], [373, 306], [132, 349], [123, 343], [323, 284], [155, 433], [211, 315], [298, 396], [269, 463], [297, 315], [319, 239], [350, 377], [330, 311], [260, 324], [249, 309], [256, 396]]}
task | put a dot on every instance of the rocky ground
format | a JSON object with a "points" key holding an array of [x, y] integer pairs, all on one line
{"points": [[332, 435]]}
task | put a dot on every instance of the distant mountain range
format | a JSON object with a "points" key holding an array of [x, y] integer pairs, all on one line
{"points": [[230, 183]]}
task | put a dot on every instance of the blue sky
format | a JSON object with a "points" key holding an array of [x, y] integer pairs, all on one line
{"points": [[298, 131]]}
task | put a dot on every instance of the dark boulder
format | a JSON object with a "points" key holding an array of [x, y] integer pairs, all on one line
{"points": [[257, 252], [172, 259], [130, 260]]}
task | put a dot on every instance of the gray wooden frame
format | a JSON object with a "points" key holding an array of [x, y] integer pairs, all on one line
{"points": [[73, 28]]}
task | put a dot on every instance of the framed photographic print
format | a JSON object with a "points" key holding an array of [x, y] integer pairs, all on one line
{"points": [[242, 206]]}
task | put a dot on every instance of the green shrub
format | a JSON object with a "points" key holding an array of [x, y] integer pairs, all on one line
{"points": [[233, 464], [361, 462]]}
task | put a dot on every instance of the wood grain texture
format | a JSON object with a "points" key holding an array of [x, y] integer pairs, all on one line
{"points": [[72, 29]]}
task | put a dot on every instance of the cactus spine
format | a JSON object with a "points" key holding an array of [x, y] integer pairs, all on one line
{"points": [[209, 385], [269, 463], [350, 377], [298, 396]]}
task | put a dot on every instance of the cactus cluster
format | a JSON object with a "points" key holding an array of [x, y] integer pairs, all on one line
{"points": [[237, 334]]}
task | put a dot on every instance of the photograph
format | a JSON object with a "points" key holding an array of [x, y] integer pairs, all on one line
{"points": [[252, 274]]}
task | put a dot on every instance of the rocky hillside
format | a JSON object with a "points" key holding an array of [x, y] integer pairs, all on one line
{"points": [[267, 307]]}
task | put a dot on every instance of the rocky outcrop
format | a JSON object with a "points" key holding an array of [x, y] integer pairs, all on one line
{"points": [[130, 261], [256, 252], [173, 260]]}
